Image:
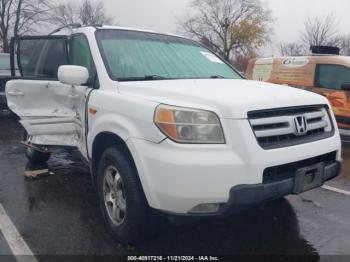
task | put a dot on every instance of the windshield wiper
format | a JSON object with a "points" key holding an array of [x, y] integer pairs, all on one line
{"points": [[155, 77], [217, 76], [144, 78], [158, 77]]}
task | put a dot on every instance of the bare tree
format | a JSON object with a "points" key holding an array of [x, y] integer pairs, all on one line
{"points": [[18, 17], [93, 13], [64, 14], [228, 26], [240, 62], [293, 49], [88, 12], [321, 31], [5, 15], [345, 45]]}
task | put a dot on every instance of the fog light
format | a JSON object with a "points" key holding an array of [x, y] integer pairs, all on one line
{"points": [[205, 208]]}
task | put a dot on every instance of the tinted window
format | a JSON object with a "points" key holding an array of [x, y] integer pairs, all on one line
{"points": [[41, 58], [333, 76], [131, 55]]}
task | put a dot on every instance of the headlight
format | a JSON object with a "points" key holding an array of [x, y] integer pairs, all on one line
{"points": [[185, 125]]}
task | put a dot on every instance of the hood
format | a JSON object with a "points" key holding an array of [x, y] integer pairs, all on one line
{"points": [[229, 98]]}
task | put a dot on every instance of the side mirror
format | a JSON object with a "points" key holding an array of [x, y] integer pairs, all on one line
{"points": [[73, 75], [346, 87]]}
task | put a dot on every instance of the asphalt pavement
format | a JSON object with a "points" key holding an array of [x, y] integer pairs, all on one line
{"points": [[58, 214]]}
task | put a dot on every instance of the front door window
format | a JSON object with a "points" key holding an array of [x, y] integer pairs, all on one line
{"points": [[40, 58]]}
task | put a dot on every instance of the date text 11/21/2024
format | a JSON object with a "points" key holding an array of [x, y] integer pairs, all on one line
{"points": [[173, 258]]}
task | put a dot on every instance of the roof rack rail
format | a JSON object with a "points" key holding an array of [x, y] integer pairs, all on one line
{"points": [[325, 50], [96, 25], [73, 25]]}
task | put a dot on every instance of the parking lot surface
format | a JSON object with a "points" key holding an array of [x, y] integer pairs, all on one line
{"points": [[58, 214]]}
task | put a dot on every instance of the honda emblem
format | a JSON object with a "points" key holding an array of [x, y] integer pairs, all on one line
{"points": [[300, 125]]}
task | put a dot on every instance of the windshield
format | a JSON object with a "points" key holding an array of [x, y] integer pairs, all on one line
{"points": [[132, 56]]}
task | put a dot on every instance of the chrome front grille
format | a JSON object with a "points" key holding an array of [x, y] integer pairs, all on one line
{"points": [[291, 126]]}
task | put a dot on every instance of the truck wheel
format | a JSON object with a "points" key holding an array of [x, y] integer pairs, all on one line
{"points": [[37, 157], [123, 204]]}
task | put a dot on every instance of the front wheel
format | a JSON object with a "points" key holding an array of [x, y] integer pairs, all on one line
{"points": [[122, 201]]}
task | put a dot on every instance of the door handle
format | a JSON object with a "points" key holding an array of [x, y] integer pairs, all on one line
{"points": [[15, 93], [73, 96]]}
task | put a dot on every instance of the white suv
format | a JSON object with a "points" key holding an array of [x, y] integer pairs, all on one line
{"points": [[168, 126]]}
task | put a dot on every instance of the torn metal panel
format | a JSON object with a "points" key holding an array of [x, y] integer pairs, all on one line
{"points": [[55, 140]]}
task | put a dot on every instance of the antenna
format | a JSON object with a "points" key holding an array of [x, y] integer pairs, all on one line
{"points": [[74, 25]]}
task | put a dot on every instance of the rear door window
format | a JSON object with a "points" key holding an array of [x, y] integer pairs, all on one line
{"points": [[332, 76]]}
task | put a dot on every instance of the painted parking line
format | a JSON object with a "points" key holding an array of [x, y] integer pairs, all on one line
{"points": [[14, 239], [336, 190], [344, 132]]}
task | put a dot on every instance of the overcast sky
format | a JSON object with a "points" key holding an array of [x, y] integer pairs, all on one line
{"points": [[160, 15]]}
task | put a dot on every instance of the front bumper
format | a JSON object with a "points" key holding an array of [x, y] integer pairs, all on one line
{"points": [[176, 178], [245, 196]]}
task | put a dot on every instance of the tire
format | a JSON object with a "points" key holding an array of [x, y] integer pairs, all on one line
{"points": [[124, 207], [37, 157]]}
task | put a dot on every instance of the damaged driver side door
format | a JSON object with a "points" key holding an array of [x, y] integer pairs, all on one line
{"points": [[51, 112]]}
